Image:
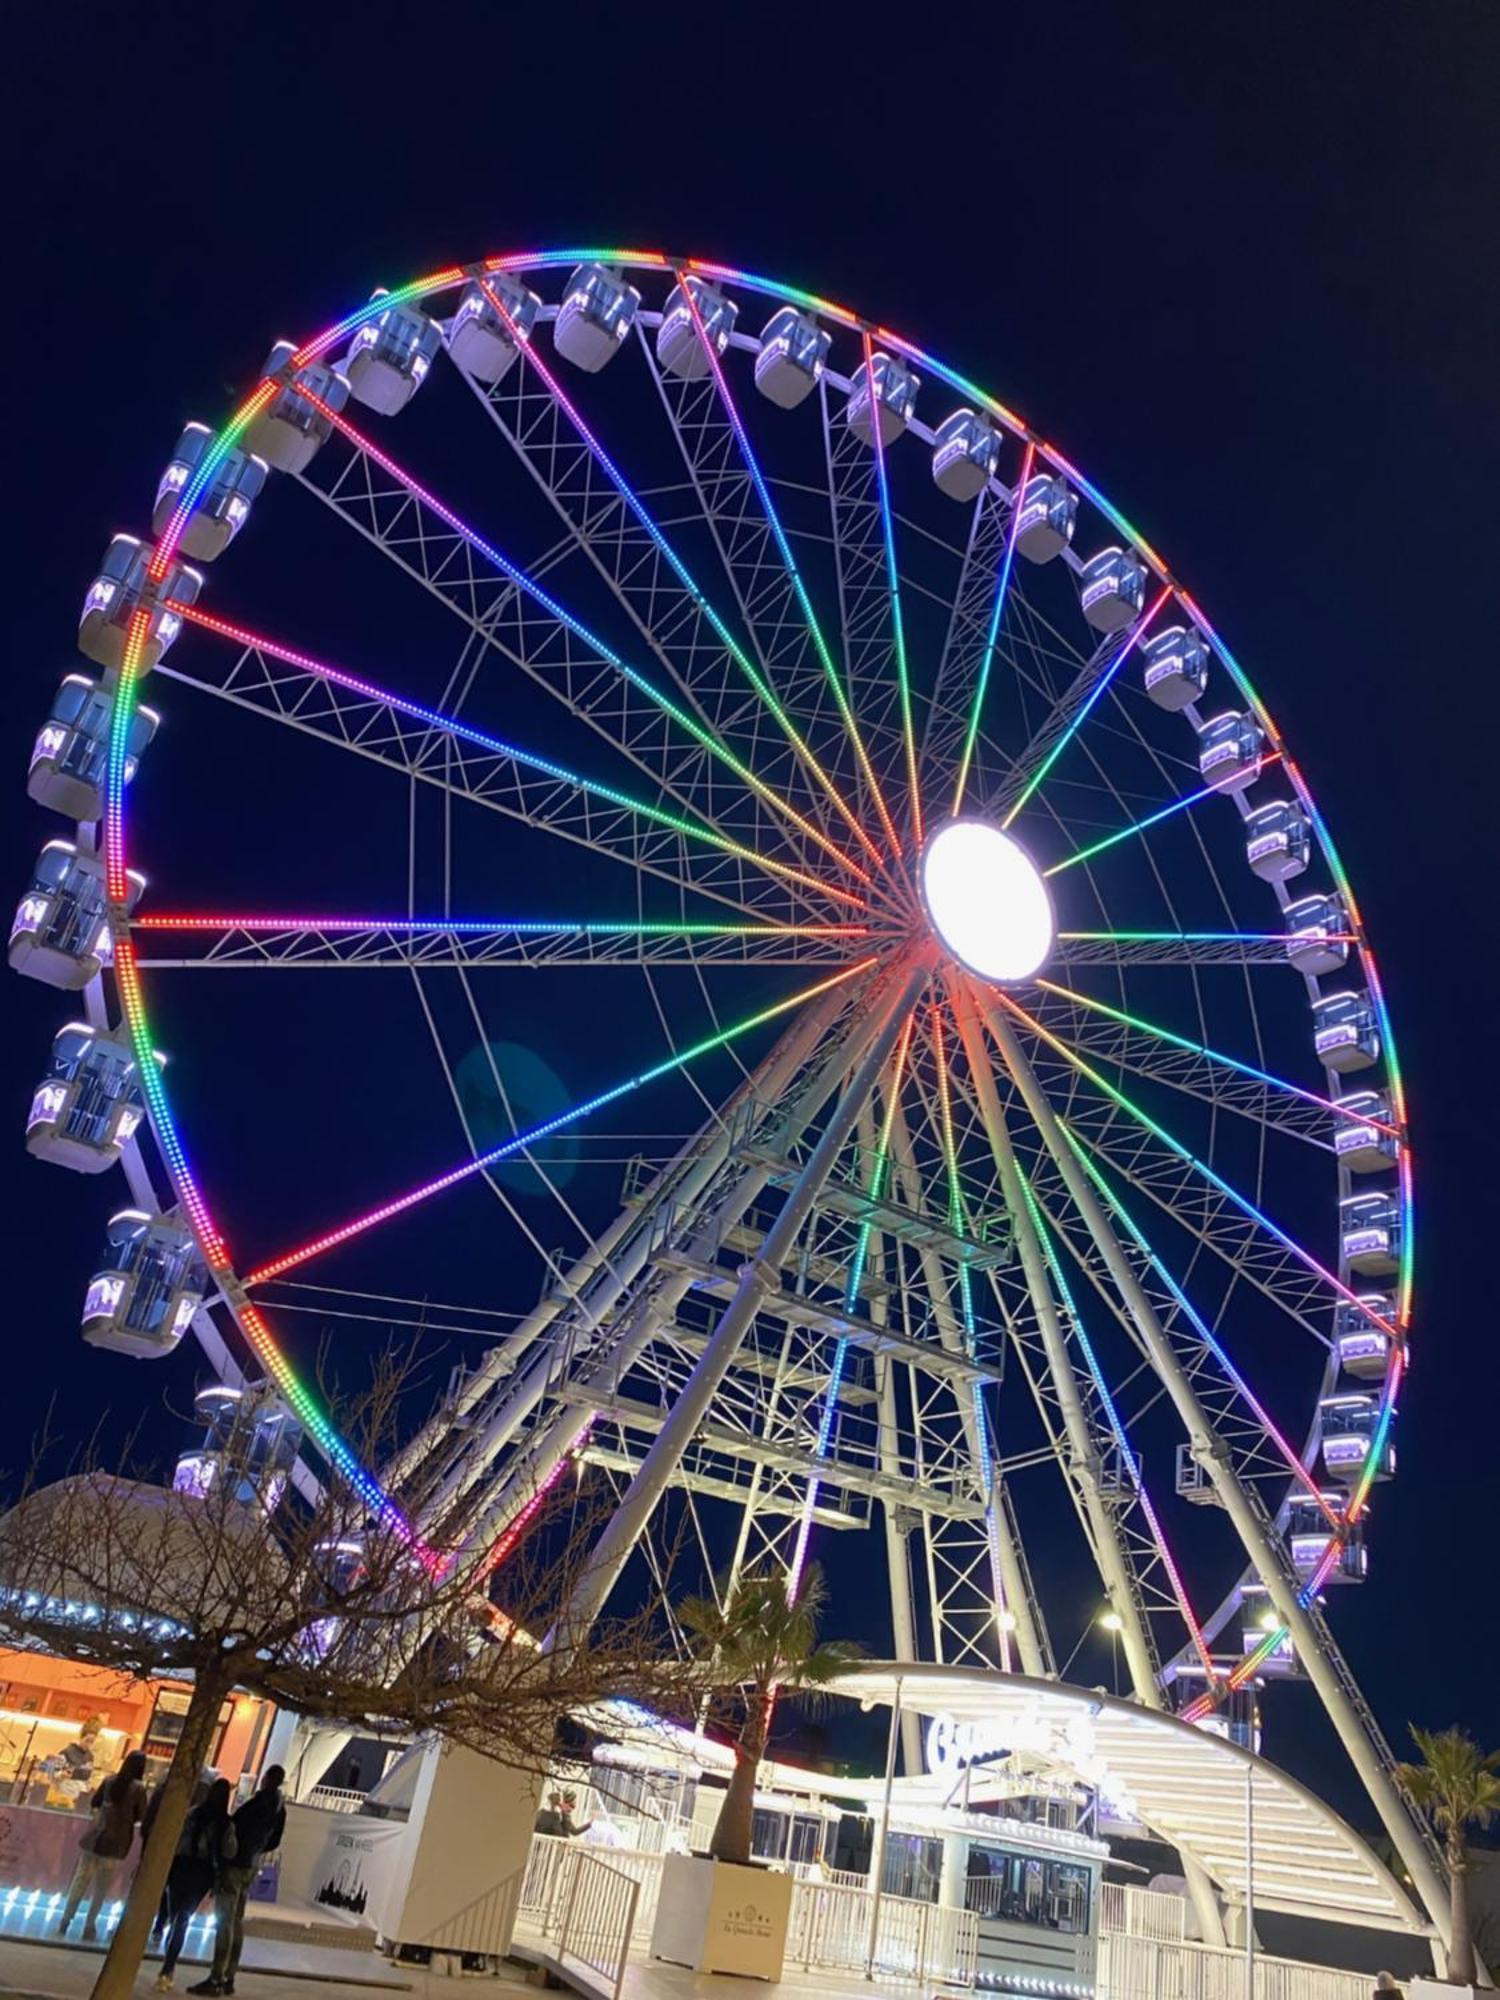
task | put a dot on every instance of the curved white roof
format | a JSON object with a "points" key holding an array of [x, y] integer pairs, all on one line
{"points": [[1189, 1786]]}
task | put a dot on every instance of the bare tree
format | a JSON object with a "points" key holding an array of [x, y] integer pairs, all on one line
{"points": [[322, 1607]]}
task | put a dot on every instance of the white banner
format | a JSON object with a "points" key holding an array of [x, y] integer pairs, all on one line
{"points": [[358, 1868]]}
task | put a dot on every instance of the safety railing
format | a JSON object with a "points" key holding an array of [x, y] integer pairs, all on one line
{"points": [[1135, 1968], [543, 1887], [915, 1942], [597, 1916], [333, 1798], [1141, 1913], [483, 1927]]}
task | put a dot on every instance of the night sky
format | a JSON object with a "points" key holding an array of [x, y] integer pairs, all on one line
{"points": [[1244, 276]]}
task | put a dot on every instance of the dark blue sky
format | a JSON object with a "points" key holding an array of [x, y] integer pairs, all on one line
{"points": [[1244, 274]]}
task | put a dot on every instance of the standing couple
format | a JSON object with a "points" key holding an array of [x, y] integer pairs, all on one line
{"points": [[222, 1852]]}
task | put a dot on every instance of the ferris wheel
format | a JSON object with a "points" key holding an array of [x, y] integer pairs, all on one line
{"points": [[953, 953]]}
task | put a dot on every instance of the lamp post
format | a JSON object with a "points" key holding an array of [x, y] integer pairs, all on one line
{"points": [[1112, 1623]]}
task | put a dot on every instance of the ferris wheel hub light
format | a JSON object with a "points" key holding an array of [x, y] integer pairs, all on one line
{"points": [[987, 900]]}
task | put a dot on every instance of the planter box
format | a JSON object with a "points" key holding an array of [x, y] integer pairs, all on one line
{"points": [[718, 1917], [1429, 1988]]}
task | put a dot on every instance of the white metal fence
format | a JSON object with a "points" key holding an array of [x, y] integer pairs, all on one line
{"points": [[914, 1941], [1137, 1968], [481, 1928], [586, 1901], [333, 1798], [1141, 1913]]}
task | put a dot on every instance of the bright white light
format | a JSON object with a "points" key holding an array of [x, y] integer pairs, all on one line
{"points": [[987, 900]]}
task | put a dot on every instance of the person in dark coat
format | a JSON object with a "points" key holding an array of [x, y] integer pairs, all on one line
{"points": [[258, 1827], [118, 1806], [205, 1850]]}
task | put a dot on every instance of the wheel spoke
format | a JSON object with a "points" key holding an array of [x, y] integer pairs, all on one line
{"points": [[992, 634], [1141, 825], [893, 591]]}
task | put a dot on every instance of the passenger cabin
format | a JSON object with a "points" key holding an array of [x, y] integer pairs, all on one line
{"points": [[71, 751], [291, 428], [597, 312], [61, 931], [87, 1107], [388, 359], [222, 508], [793, 354], [888, 386], [1230, 751], [1112, 589], [1362, 1344], [495, 318], [1309, 1533], [1347, 1425], [1258, 1620], [1278, 840], [966, 453], [150, 1283], [1370, 1233], [250, 1428], [680, 348], [1317, 935], [1049, 514], [124, 587], [1345, 1035], [1174, 670], [1362, 1134]]}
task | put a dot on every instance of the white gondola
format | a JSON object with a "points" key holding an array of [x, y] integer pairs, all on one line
{"points": [[1174, 668], [389, 357], [679, 345], [223, 506], [1362, 1134], [142, 1299], [264, 1439], [1049, 514], [493, 321], [966, 453], [1278, 841], [1345, 1033], [1230, 752], [793, 354], [1361, 1342], [1317, 935], [68, 759], [1309, 1532], [87, 1107], [1370, 1234], [1348, 1423], [291, 428], [61, 932], [894, 396], [1112, 589], [1258, 1620], [122, 588], [597, 312]]}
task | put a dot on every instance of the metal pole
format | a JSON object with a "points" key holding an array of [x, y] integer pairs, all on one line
{"points": [[1210, 1451], [877, 1863], [1249, 1882], [760, 1275]]}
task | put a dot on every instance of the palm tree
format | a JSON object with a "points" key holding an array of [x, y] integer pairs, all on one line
{"points": [[763, 1642], [1457, 1787]]}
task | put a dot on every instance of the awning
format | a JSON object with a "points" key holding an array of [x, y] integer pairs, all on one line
{"points": [[1224, 1806]]}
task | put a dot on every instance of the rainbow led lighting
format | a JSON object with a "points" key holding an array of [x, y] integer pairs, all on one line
{"points": [[893, 590], [1095, 694], [1117, 1429], [1201, 1166], [1140, 825], [1328, 1104], [451, 726], [530, 358], [355, 1227], [878, 1171], [1182, 937], [171, 920], [763, 493], [715, 746], [992, 635]]}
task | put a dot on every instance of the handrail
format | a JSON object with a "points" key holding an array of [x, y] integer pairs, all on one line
{"points": [[483, 1926], [598, 1916]]}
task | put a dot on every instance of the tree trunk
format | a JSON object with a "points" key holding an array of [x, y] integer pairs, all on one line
{"points": [[127, 1947], [731, 1835], [1461, 1950]]}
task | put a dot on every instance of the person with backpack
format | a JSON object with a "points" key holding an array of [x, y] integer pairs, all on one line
{"points": [[258, 1827], [119, 1805], [206, 1848]]}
